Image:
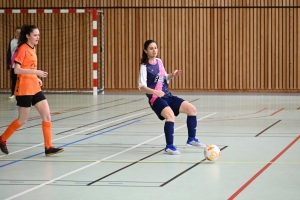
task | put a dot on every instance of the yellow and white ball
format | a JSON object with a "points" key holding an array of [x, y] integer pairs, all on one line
{"points": [[212, 152]]}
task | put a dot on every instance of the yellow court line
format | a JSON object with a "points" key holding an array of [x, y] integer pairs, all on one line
{"points": [[152, 161]]}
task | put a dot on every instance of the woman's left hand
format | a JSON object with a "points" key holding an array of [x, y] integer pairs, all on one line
{"points": [[177, 73], [40, 82]]}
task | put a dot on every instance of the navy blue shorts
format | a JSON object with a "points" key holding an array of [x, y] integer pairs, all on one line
{"points": [[160, 103], [28, 100]]}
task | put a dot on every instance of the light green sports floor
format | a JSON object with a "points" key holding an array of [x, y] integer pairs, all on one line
{"points": [[114, 149]]}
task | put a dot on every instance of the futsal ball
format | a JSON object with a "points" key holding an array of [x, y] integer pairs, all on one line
{"points": [[212, 152]]}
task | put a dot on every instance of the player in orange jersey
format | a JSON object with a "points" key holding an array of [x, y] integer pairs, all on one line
{"points": [[28, 89]]}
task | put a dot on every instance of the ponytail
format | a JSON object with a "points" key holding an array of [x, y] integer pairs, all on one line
{"points": [[144, 59]]}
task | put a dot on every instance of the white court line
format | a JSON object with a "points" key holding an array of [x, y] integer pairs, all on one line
{"points": [[94, 163], [73, 134]]}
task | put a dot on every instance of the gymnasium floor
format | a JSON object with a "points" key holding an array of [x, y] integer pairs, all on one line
{"points": [[114, 149]]}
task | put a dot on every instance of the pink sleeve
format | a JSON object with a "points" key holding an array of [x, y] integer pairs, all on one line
{"points": [[12, 61]]}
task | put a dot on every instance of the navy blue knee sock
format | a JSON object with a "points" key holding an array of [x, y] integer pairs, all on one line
{"points": [[169, 132], [191, 123]]}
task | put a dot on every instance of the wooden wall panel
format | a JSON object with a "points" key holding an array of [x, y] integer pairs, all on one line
{"points": [[230, 45]]}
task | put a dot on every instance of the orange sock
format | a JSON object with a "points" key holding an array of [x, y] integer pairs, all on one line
{"points": [[10, 130], [46, 126]]}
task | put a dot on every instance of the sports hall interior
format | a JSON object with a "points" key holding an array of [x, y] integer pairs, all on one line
{"points": [[241, 70]]}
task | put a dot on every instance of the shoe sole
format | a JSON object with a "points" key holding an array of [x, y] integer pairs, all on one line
{"points": [[170, 153], [189, 145], [4, 153], [50, 154]]}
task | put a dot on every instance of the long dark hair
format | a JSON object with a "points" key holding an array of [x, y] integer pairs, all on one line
{"points": [[144, 59], [25, 30]]}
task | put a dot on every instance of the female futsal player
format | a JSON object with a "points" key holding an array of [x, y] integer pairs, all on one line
{"points": [[153, 80], [28, 90]]}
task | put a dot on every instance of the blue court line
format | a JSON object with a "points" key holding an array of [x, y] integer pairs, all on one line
{"points": [[82, 183], [115, 183], [68, 144], [16, 182]]}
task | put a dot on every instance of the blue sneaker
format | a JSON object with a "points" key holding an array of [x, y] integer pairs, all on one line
{"points": [[195, 142], [171, 150]]}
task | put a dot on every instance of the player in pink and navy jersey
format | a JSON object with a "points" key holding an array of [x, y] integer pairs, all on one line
{"points": [[153, 80]]}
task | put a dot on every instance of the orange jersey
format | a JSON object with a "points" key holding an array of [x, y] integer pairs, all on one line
{"points": [[27, 84]]}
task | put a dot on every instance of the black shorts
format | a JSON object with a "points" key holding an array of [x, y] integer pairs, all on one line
{"points": [[159, 104], [28, 100]]}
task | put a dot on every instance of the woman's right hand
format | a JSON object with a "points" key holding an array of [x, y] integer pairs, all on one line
{"points": [[159, 93], [41, 73]]}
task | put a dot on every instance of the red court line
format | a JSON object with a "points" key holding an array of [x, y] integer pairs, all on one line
{"points": [[239, 115], [58, 112], [277, 112], [225, 119], [263, 169], [253, 113]]}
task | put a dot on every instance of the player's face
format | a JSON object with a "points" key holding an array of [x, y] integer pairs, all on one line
{"points": [[17, 33], [33, 37], [152, 50]]}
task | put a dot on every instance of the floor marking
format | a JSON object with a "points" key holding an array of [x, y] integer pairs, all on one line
{"points": [[225, 119], [75, 108], [152, 161], [94, 163], [276, 112], [90, 133], [116, 171], [240, 115], [64, 111], [68, 181], [267, 128], [198, 163], [74, 134], [67, 144], [102, 120], [80, 114], [263, 169]]}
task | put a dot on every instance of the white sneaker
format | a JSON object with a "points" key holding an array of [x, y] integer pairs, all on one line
{"points": [[195, 142], [171, 150], [12, 97]]}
